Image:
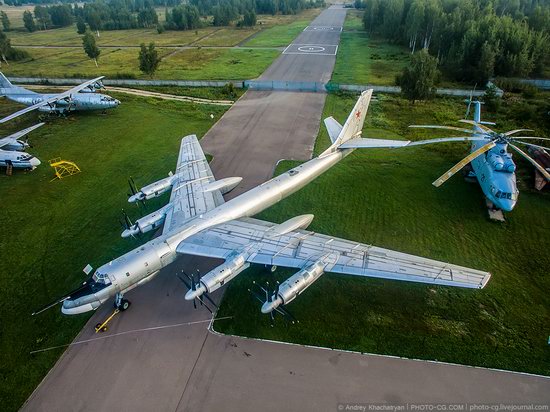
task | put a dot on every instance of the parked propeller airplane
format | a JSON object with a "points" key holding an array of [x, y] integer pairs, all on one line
{"points": [[197, 221], [81, 97], [11, 150], [491, 162]]}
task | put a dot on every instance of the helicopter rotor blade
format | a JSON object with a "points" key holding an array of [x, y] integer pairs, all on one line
{"points": [[445, 176], [481, 126], [531, 138], [511, 132], [448, 139], [431, 126], [541, 169], [532, 145]]}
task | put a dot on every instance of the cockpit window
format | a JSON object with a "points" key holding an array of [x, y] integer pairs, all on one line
{"points": [[101, 278], [505, 195]]}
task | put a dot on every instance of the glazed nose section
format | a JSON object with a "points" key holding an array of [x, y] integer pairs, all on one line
{"points": [[116, 103], [35, 162]]}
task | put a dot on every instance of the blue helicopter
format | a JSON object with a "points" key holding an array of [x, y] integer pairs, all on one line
{"points": [[490, 159]]}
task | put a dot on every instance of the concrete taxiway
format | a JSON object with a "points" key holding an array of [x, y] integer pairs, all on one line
{"points": [[160, 356]]}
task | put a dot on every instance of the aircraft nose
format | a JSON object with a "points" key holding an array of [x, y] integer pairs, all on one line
{"points": [[35, 162], [507, 205]]}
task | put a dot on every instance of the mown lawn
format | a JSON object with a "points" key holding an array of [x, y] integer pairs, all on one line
{"points": [[385, 198], [188, 64], [365, 60], [53, 229], [282, 33]]}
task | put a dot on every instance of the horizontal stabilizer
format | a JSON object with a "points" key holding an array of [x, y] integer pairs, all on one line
{"points": [[333, 128], [361, 143]]}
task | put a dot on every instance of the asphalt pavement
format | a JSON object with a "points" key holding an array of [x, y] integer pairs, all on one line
{"points": [[160, 356]]}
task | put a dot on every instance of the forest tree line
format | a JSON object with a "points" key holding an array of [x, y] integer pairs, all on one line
{"points": [[131, 14], [473, 40]]}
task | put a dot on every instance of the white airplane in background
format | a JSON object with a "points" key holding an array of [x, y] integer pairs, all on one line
{"points": [[81, 97], [197, 221], [11, 150]]}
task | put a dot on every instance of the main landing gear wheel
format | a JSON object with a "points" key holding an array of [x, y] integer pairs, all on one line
{"points": [[123, 305]]}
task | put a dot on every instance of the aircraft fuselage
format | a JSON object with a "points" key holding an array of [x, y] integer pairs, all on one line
{"points": [[143, 263], [78, 101]]}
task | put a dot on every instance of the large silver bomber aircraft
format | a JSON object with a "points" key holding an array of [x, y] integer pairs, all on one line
{"points": [[197, 221]]}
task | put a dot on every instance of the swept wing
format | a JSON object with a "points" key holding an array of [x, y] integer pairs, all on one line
{"points": [[296, 248]]}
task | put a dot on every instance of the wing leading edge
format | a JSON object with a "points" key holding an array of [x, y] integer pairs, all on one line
{"points": [[298, 248], [192, 192]]}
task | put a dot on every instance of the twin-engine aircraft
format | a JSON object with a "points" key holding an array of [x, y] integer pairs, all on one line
{"points": [[198, 221], [12, 150], [81, 97]]}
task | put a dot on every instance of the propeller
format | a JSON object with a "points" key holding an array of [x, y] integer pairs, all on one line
{"points": [[482, 127], [445, 176], [134, 190], [191, 283], [269, 296], [430, 126], [511, 132]]}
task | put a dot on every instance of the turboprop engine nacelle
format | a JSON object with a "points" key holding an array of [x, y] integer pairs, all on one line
{"points": [[291, 288], [217, 277], [154, 189], [147, 223]]}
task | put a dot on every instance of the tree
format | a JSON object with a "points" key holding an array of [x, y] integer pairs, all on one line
{"points": [[491, 98], [80, 26], [5, 21], [418, 79], [42, 16], [90, 48], [28, 21], [5, 46], [249, 18], [148, 59]]}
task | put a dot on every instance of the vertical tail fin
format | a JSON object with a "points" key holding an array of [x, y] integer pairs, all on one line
{"points": [[4, 82], [7, 88], [354, 125]]}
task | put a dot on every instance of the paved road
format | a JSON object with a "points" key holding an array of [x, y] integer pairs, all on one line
{"points": [[187, 368]]}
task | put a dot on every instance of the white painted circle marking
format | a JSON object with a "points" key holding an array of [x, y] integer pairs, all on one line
{"points": [[311, 49]]}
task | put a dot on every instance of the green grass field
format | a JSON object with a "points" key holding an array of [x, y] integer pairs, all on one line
{"points": [[365, 60], [354, 20], [188, 64], [385, 198], [53, 229], [283, 33]]}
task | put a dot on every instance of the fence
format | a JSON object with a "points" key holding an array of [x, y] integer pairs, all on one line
{"points": [[317, 87], [129, 82]]}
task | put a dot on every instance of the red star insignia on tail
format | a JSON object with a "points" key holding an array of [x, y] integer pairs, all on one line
{"points": [[358, 114]]}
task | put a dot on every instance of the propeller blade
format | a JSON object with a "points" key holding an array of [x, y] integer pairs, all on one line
{"points": [[127, 220], [445, 176], [184, 281], [447, 139], [511, 132], [204, 304], [258, 297], [195, 303], [541, 169], [132, 185], [210, 299], [481, 126], [427, 126]]}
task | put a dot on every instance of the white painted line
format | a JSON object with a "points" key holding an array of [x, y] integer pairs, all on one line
{"points": [[286, 48], [276, 342], [311, 54], [308, 44]]}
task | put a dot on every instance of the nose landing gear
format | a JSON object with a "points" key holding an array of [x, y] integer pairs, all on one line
{"points": [[121, 305]]}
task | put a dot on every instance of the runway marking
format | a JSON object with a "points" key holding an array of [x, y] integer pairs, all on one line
{"points": [[175, 325], [311, 49], [324, 28]]}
